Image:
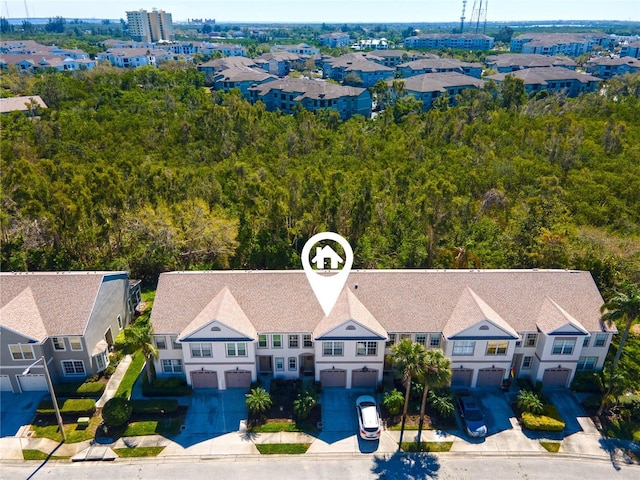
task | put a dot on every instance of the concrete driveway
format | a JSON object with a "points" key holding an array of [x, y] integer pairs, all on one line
{"points": [[16, 410]]}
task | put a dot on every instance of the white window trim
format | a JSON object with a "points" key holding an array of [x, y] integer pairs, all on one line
{"points": [[310, 338], [64, 345], [463, 346], [333, 349], [527, 367], [236, 350], [600, 336], [198, 347], [296, 338], [79, 344], [293, 364], [24, 347], [119, 318], [564, 342], [366, 345], [273, 340], [73, 363], [266, 341], [497, 344], [157, 339], [172, 362], [281, 367]]}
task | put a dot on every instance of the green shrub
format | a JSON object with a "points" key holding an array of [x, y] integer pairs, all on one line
{"points": [[83, 407], [91, 389], [586, 382], [110, 370], [117, 412], [393, 401], [524, 384], [529, 402], [67, 389], [154, 406], [166, 387], [550, 420], [592, 402]]}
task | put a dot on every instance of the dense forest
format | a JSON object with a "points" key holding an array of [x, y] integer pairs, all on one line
{"points": [[147, 170]]}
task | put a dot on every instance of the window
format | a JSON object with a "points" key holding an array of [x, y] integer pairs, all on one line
{"points": [[263, 342], [306, 341], [279, 364], [73, 367], [519, 341], [405, 336], [171, 366], [102, 360], [119, 322], [201, 350], [58, 343], [434, 340], [238, 349], [563, 346], [332, 349], [366, 348], [293, 364], [392, 339], [585, 343], [75, 343], [294, 341], [531, 340], [421, 338], [22, 352], [174, 342], [161, 342], [463, 347], [587, 363], [601, 340], [497, 348], [276, 341], [526, 363]]}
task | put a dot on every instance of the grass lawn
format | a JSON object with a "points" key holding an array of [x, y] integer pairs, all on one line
{"points": [[434, 447], [169, 426], [553, 447], [48, 428], [272, 427], [124, 390], [138, 451], [38, 455], [282, 448]]}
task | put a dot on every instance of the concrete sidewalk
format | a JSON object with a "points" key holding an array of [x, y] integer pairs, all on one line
{"points": [[114, 381]]}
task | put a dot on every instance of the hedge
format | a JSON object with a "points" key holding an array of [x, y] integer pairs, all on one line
{"points": [[550, 420], [154, 406], [80, 390], [586, 382], [91, 389], [71, 406], [166, 387]]}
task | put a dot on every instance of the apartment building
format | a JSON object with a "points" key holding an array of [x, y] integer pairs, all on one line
{"points": [[154, 26]]}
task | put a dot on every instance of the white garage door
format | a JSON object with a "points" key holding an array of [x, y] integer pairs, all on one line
{"points": [[490, 377], [364, 378], [555, 377], [237, 379], [461, 377], [5, 384], [333, 378], [33, 382], [204, 379]]}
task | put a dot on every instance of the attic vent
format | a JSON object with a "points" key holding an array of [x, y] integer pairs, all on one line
{"points": [[215, 329], [351, 327], [484, 327]]}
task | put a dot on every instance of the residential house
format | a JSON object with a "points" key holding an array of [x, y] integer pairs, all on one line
{"points": [[510, 62], [215, 66], [393, 58], [242, 78], [30, 104], [371, 44], [552, 79], [41, 63], [607, 67], [227, 49], [222, 329], [464, 41], [281, 63], [287, 94], [571, 44], [429, 86], [630, 50], [361, 64], [439, 65], [300, 49], [69, 318], [335, 40], [131, 57]]}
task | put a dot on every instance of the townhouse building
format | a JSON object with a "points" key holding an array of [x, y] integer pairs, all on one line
{"points": [[570, 44], [242, 78], [607, 67], [131, 57], [429, 86], [300, 49], [41, 63], [363, 65], [221, 329], [465, 41], [630, 50], [69, 318], [335, 40], [393, 58], [510, 62], [287, 94], [552, 79], [439, 65]]}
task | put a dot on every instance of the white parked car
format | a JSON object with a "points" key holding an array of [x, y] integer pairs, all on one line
{"points": [[368, 417]]}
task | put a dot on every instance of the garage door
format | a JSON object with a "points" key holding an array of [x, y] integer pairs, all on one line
{"points": [[461, 377], [33, 382], [237, 379], [204, 379], [333, 378], [366, 378], [555, 377], [5, 384], [490, 377]]}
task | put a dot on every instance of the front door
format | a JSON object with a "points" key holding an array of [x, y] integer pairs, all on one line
{"points": [[264, 364]]}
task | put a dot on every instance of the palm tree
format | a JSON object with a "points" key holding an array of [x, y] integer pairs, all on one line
{"points": [[465, 258], [625, 306], [408, 358], [435, 373], [139, 336], [258, 400]]}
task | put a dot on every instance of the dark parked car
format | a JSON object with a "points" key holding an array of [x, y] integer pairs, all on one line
{"points": [[471, 415]]}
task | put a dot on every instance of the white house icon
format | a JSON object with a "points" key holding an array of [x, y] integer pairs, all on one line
{"points": [[326, 253]]}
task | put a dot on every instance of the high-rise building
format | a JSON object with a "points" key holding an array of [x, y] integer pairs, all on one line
{"points": [[153, 26]]}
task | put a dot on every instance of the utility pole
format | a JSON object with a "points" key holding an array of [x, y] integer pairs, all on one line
{"points": [[462, 17]]}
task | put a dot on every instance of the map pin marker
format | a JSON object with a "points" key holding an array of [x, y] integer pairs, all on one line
{"points": [[327, 288]]}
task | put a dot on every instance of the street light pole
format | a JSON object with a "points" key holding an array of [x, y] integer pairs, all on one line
{"points": [[51, 392]]}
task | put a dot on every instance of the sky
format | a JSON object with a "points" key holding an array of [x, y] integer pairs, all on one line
{"points": [[331, 11]]}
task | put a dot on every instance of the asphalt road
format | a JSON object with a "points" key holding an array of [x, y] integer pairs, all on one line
{"points": [[397, 467]]}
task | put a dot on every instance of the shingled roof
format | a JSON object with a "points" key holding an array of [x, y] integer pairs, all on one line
{"points": [[399, 300]]}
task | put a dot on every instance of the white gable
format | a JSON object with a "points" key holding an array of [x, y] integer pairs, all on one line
{"points": [[486, 329], [350, 329], [215, 331]]}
